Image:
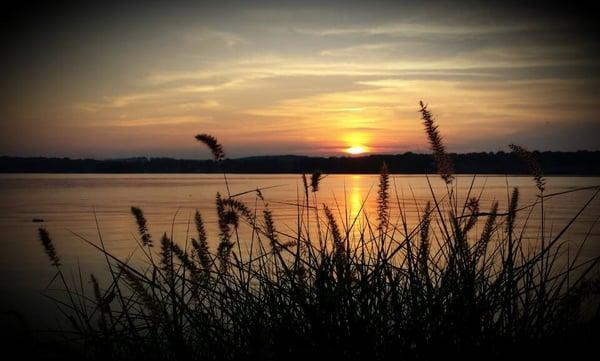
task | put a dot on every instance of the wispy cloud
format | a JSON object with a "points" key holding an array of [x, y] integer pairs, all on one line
{"points": [[154, 121], [203, 35], [408, 29]]}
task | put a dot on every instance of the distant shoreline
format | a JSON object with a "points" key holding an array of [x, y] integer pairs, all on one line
{"points": [[580, 163]]}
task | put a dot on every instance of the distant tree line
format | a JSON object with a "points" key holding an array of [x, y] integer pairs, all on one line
{"points": [[567, 163]]}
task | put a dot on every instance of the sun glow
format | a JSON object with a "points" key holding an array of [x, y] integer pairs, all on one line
{"points": [[357, 149]]}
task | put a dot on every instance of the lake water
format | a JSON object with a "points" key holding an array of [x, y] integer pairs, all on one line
{"points": [[66, 203]]}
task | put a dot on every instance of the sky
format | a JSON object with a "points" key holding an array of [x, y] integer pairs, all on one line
{"points": [[306, 77]]}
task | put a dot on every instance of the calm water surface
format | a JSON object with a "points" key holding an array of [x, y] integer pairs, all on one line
{"points": [[66, 203]]}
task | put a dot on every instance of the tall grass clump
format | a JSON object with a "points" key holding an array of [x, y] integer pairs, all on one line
{"points": [[461, 280]]}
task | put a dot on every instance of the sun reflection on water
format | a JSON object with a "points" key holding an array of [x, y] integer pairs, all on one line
{"points": [[355, 196]]}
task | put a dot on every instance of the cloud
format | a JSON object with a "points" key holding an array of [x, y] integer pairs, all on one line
{"points": [[268, 75]]}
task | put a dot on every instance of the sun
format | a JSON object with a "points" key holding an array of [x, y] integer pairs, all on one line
{"points": [[356, 149], [355, 143]]}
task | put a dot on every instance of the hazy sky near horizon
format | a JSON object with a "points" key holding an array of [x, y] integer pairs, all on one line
{"points": [[300, 77]]}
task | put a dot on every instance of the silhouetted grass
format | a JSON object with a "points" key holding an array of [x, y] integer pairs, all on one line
{"points": [[360, 290]]}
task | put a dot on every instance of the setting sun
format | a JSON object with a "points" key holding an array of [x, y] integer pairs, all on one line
{"points": [[357, 149]]}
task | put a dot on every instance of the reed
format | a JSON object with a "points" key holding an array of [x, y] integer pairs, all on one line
{"points": [[142, 224], [48, 246], [213, 144], [200, 246], [383, 196], [441, 286], [270, 231], [533, 164], [442, 159], [315, 178]]}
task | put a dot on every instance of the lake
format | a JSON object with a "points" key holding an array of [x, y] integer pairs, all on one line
{"points": [[67, 203]]}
